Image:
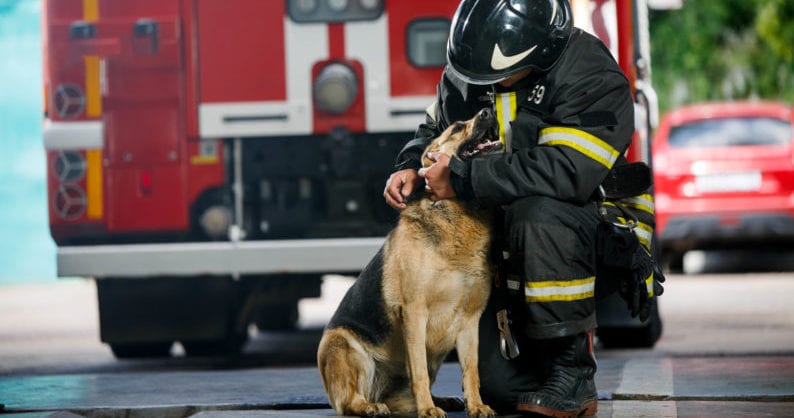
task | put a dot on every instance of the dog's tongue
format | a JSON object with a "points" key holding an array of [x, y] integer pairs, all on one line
{"points": [[489, 145]]}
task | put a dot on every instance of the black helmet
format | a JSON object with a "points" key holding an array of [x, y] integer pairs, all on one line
{"points": [[493, 39]]}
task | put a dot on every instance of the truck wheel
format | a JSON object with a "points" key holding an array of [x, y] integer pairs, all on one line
{"points": [[141, 350], [633, 337], [278, 317], [229, 346], [141, 317]]}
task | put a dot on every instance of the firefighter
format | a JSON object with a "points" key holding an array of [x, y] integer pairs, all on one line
{"points": [[566, 115]]}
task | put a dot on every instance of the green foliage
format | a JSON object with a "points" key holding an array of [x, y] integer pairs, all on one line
{"points": [[723, 50]]}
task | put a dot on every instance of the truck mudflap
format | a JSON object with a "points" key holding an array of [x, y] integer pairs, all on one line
{"points": [[338, 255]]}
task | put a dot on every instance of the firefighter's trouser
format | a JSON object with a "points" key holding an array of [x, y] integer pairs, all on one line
{"points": [[552, 265], [550, 279]]}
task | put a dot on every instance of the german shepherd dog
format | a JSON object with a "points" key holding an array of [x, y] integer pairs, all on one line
{"points": [[420, 297]]}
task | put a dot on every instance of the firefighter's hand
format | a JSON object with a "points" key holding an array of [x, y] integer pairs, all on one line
{"points": [[399, 186], [436, 177]]}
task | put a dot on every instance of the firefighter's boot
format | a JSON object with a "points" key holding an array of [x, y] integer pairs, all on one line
{"points": [[570, 389]]}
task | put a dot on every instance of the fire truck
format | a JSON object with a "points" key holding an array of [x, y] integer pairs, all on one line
{"points": [[209, 162]]}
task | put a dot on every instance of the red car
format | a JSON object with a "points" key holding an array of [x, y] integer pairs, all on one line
{"points": [[724, 177]]}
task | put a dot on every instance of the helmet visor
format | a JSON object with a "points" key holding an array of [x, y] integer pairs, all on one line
{"points": [[479, 80]]}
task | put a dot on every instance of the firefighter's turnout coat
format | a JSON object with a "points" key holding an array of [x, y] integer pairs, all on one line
{"points": [[563, 130]]}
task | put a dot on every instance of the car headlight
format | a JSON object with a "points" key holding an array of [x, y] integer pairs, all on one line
{"points": [[335, 88]]}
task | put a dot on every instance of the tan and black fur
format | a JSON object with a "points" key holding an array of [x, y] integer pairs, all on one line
{"points": [[420, 297]]}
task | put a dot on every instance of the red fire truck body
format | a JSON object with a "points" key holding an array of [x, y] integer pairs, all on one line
{"points": [[208, 161]]}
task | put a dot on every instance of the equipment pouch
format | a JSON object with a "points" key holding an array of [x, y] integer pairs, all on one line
{"points": [[616, 245], [613, 247]]}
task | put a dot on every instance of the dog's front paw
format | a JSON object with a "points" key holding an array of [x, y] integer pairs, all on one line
{"points": [[480, 411], [376, 410], [434, 412], [367, 409]]}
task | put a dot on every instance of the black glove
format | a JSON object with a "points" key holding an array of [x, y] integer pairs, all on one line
{"points": [[625, 266], [634, 286]]}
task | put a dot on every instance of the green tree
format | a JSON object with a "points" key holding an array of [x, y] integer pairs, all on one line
{"points": [[725, 50]]}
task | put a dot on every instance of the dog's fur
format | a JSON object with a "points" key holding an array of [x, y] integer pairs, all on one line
{"points": [[420, 297]]}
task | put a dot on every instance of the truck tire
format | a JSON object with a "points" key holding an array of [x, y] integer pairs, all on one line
{"points": [[278, 317], [142, 317], [141, 350], [229, 346], [644, 336]]}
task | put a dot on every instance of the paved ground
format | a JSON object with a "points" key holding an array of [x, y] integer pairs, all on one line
{"points": [[642, 386], [728, 350]]}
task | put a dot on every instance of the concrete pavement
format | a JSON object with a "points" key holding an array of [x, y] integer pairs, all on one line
{"points": [[727, 351], [641, 385]]}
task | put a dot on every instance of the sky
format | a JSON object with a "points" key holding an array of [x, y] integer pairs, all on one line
{"points": [[27, 252]]}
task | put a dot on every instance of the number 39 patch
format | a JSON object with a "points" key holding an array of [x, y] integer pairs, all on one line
{"points": [[537, 93]]}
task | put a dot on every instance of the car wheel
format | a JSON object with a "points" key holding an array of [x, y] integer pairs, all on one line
{"points": [[673, 262]]}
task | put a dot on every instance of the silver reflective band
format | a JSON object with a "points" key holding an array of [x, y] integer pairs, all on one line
{"points": [[581, 141]]}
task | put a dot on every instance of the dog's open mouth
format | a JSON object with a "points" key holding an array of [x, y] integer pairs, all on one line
{"points": [[484, 142]]}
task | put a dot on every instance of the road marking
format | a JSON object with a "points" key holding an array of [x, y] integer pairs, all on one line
{"points": [[647, 377], [661, 409]]}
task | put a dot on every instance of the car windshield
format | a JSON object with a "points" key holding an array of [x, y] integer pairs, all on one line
{"points": [[730, 132]]}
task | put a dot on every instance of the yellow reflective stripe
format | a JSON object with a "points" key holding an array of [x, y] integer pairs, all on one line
{"points": [[93, 184], [581, 141], [93, 107], [431, 110], [500, 117], [204, 159], [649, 285], [90, 10], [560, 290], [506, 106], [93, 95], [642, 202], [643, 231]]}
